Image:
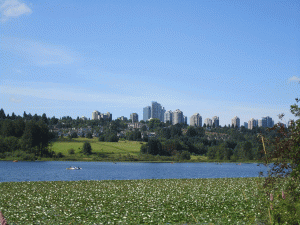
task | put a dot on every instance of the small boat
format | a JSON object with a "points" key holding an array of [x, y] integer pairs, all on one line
{"points": [[74, 168], [15, 161]]}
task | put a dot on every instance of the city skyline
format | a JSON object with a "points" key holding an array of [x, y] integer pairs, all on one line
{"points": [[224, 58]]}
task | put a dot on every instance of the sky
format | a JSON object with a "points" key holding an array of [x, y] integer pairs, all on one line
{"points": [[221, 58]]}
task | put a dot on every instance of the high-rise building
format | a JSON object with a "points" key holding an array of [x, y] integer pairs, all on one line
{"points": [[157, 111], [168, 116], [208, 122], [134, 117], [265, 122], [252, 123], [260, 123], [146, 113], [196, 120], [216, 121], [184, 119], [235, 121], [177, 117], [95, 115], [246, 125], [270, 122]]}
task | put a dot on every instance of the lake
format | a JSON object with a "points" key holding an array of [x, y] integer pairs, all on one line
{"points": [[56, 170]]}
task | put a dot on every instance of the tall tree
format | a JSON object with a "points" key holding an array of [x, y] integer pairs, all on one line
{"points": [[7, 128], [2, 114], [45, 119]]}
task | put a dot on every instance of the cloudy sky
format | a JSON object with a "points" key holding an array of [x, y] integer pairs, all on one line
{"points": [[217, 58]]}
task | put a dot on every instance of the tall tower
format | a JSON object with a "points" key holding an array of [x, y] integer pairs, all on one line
{"points": [[168, 116], [146, 113], [157, 111], [177, 117], [208, 122], [134, 117], [95, 115], [196, 120], [216, 121], [252, 123], [235, 121]]}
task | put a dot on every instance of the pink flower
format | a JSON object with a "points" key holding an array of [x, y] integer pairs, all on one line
{"points": [[283, 195], [271, 196]]}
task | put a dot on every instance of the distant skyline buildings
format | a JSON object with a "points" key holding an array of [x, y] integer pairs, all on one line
{"points": [[208, 122], [252, 123], [235, 121], [157, 111], [177, 117], [168, 116], [196, 120], [146, 113], [96, 115], [134, 117], [216, 121]]}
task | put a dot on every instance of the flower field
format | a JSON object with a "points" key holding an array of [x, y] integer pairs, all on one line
{"points": [[174, 201]]}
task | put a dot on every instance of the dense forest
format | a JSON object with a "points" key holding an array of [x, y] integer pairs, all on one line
{"points": [[29, 137]]}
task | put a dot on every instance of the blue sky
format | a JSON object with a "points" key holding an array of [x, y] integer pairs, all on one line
{"points": [[217, 58]]}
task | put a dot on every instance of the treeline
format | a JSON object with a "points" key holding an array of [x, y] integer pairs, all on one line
{"points": [[218, 144], [26, 137]]}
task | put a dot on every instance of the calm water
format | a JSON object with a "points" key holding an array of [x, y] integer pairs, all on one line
{"points": [[56, 171]]}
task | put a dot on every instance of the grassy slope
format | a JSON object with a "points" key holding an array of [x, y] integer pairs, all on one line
{"points": [[120, 147], [195, 201]]}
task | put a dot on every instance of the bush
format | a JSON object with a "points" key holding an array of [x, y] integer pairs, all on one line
{"points": [[87, 149], [71, 151], [59, 155], [184, 155], [101, 138], [74, 135], [89, 135]]}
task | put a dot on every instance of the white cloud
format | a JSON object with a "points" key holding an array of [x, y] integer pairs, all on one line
{"points": [[294, 79], [37, 52], [13, 9], [15, 100]]}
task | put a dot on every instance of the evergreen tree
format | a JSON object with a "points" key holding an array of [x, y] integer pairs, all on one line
{"points": [[87, 149], [2, 114]]}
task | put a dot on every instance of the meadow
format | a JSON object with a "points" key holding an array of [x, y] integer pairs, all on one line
{"points": [[174, 201], [107, 151]]}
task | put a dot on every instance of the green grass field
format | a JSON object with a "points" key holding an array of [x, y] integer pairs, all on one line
{"points": [[108, 151], [101, 150], [174, 201]]}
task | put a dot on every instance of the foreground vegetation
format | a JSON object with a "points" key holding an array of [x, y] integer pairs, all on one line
{"points": [[196, 201]]}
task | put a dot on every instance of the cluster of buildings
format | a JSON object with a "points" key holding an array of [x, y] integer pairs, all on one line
{"points": [[159, 112], [196, 120], [175, 117], [264, 122], [97, 116]]}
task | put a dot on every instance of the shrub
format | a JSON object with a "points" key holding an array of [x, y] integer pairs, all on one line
{"points": [[184, 155], [101, 138], [59, 155], [71, 151], [74, 135], [89, 135]]}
